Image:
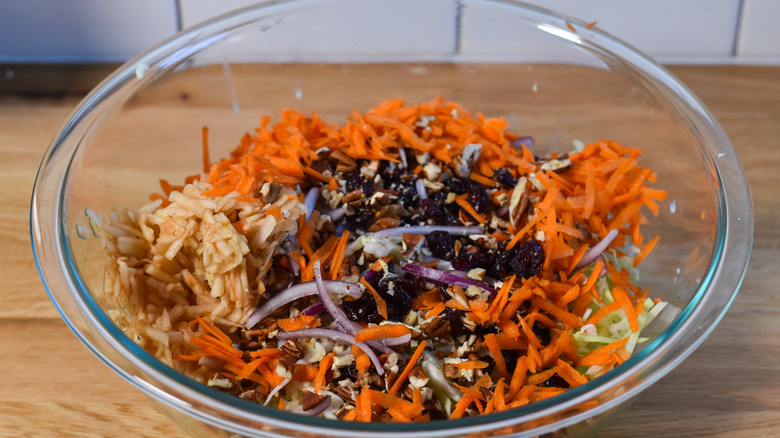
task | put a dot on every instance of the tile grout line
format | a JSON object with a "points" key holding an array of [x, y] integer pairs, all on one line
{"points": [[738, 28], [177, 12]]}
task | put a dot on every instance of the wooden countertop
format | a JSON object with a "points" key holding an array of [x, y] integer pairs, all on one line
{"points": [[52, 386]]}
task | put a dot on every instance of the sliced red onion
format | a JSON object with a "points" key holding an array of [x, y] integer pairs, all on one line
{"points": [[336, 214], [276, 389], [420, 186], [593, 253], [402, 155], [335, 311], [398, 340], [428, 229], [445, 277], [313, 310], [527, 141], [464, 274], [336, 336], [310, 200], [296, 267], [503, 211], [301, 290], [320, 408]]}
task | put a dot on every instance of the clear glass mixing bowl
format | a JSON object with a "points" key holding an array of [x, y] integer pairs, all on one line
{"points": [[551, 76]]}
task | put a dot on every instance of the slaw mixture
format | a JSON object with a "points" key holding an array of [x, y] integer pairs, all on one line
{"points": [[416, 262]]}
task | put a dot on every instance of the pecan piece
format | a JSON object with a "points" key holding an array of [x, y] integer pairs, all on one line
{"points": [[311, 400], [451, 371], [355, 195], [519, 202], [558, 165], [436, 328], [294, 349], [269, 192], [346, 394], [385, 222]]}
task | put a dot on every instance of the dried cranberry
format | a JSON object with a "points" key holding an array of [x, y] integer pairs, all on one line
{"points": [[502, 175], [360, 309], [555, 381], [477, 196], [441, 244], [510, 358], [434, 211], [394, 291], [347, 372], [360, 219], [528, 260], [354, 181], [470, 260], [454, 318], [542, 333], [491, 364], [524, 261]]}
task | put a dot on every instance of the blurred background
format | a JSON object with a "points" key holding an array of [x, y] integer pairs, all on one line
{"points": [[99, 31]]}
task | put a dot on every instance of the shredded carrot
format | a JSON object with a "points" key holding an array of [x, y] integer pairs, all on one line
{"points": [[373, 332], [645, 251], [380, 302], [324, 367], [408, 368], [498, 357], [299, 322]]}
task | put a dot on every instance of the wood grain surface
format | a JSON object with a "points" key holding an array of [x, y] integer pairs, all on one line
{"points": [[52, 386]]}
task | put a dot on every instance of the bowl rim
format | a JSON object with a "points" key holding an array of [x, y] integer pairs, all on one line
{"points": [[570, 400]]}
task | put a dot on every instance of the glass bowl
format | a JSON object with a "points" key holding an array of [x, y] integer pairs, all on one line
{"points": [[552, 77]]}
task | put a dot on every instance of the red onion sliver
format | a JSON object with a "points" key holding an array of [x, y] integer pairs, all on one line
{"points": [[336, 336], [297, 291], [399, 340], [420, 186], [296, 267], [593, 253], [320, 408], [310, 200], [427, 229], [527, 141], [335, 311], [313, 310], [445, 277]]}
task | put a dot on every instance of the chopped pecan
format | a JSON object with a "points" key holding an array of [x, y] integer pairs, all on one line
{"points": [[486, 392], [436, 328], [519, 202], [390, 378], [341, 413], [451, 371], [262, 333], [558, 165], [294, 349], [311, 400], [363, 379], [411, 243], [268, 192], [253, 396], [287, 362], [417, 373], [355, 195], [385, 222], [346, 394], [344, 163]]}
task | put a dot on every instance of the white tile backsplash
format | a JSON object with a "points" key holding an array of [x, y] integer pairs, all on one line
{"points": [[718, 31], [82, 30], [377, 31], [660, 28], [759, 31]]}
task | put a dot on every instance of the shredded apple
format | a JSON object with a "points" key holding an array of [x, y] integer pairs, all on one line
{"points": [[412, 263]]}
